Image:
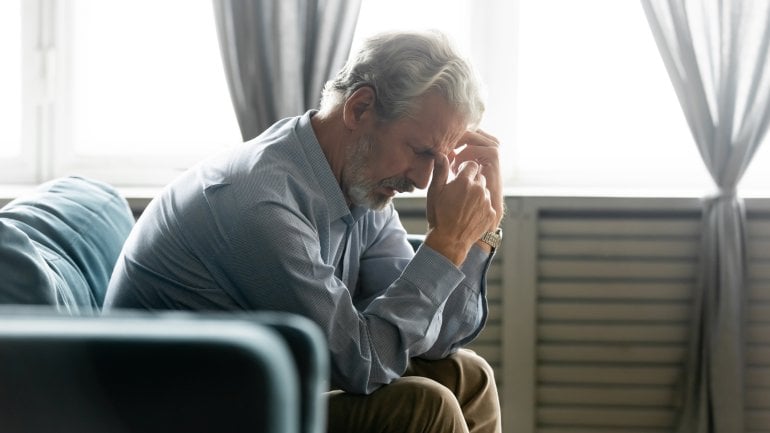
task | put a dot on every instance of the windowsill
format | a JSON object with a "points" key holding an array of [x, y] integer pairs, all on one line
{"points": [[626, 192], [139, 197], [597, 192]]}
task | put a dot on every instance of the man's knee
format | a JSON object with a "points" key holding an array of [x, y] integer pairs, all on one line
{"points": [[462, 370], [426, 393], [478, 392], [427, 405], [473, 367]]}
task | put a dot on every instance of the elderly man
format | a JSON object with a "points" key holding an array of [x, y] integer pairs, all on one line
{"points": [[300, 220]]}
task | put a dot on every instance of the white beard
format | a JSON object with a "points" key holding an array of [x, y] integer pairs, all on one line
{"points": [[361, 191]]}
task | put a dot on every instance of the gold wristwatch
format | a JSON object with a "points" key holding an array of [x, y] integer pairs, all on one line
{"points": [[493, 239]]}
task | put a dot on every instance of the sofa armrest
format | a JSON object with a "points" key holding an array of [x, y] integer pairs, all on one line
{"points": [[309, 351], [142, 373]]}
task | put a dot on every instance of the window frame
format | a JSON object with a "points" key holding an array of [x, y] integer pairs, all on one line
{"points": [[139, 170], [25, 167], [48, 151]]}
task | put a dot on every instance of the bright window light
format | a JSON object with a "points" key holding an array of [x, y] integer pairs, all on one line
{"points": [[596, 106], [148, 79], [449, 16], [592, 105], [10, 78], [576, 91]]}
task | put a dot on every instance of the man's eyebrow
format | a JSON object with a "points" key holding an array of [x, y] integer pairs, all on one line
{"points": [[445, 146]]}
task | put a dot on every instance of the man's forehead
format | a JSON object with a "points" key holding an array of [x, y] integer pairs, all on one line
{"points": [[439, 124], [450, 139]]}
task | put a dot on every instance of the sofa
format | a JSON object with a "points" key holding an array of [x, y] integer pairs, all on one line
{"points": [[67, 367]]}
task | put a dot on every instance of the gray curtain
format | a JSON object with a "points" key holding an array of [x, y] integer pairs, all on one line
{"points": [[279, 53], [716, 53]]}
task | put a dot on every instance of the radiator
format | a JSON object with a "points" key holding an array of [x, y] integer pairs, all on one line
{"points": [[590, 305], [758, 338]]}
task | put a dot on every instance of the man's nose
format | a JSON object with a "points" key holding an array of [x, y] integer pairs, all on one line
{"points": [[421, 172]]}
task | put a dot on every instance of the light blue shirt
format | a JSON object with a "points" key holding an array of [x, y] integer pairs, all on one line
{"points": [[266, 227]]}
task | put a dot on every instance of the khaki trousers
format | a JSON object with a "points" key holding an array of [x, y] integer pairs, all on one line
{"points": [[452, 395]]}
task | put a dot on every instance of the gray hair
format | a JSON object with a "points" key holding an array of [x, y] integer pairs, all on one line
{"points": [[401, 67]]}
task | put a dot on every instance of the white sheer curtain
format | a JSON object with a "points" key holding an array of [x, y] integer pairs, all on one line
{"points": [[716, 53]]}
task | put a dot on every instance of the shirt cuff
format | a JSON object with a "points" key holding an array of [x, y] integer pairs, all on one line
{"points": [[433, 274], [477, 256]]}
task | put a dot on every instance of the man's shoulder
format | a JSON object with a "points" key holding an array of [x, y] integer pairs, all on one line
{"points": [[268, 161], [277, 168]]}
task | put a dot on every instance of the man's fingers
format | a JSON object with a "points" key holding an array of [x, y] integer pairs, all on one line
{"points": [[477, 147], [477, 138], [469, 169], [440, 172], [490, 137]]}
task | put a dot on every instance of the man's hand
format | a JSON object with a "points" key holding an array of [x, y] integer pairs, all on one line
{"points": [[459, 210], [483, 148]]}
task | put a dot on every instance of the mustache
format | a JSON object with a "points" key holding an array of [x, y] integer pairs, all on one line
{"points": [[400, 184]]}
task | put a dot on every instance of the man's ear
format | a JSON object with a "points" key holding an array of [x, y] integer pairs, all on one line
{"points": [[359, 107]]}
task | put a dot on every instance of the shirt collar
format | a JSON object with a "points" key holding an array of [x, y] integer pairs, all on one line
{"points": [[335, 199]]}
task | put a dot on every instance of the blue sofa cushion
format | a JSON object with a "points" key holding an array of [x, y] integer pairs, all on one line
{"points": [[26, 278], [59, 244]]}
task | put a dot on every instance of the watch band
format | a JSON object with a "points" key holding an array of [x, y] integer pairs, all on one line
{"points": [[493, 239]]}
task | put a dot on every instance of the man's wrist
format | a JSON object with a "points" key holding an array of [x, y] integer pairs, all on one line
{"points": [[449, 247], [493, 239], [484, 246]]}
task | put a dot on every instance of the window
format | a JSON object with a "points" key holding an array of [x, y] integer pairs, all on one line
{"points": [[133, 92], [10, 79], [158, 91], [14, 160], [577, 91], [148, 89], [128, 92], [595, 104]]}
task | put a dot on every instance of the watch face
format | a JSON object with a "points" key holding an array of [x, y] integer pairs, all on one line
{"points": [[492, 238]]}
